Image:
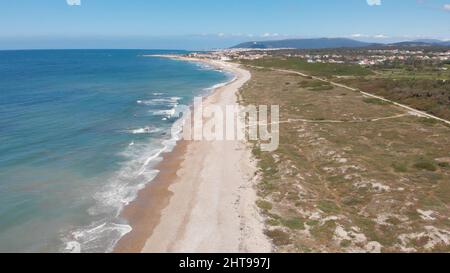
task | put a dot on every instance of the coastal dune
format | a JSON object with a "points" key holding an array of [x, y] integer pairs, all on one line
{"points": [[204, 198]]}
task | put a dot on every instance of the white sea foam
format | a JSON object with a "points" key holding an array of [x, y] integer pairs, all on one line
{"points": [[89, 239], [203, 66], [124, 185], [145, 130], [160, 101], [219, 85], [122, 188], [166, 113]]}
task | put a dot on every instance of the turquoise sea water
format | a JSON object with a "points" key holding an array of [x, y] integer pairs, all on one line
{"points": [[80, 131]]}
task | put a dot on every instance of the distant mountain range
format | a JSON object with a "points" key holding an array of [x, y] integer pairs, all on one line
{"points": [[322, 43]]}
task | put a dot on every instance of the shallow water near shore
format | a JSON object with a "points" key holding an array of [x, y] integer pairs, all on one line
{"points": [[81, 131]]}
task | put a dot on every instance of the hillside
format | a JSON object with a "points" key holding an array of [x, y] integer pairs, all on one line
{"points": [[323, 43], [304, 43]]}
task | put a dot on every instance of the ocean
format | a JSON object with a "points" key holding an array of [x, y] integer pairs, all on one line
{"points": [[80, 134]]}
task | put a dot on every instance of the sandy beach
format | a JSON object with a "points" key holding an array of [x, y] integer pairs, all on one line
{"points": [[203, 200]]}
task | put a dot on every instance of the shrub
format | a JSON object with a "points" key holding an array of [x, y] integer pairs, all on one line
{"points": [[425, 164], [400, 167], [294, 223], [264, 205], [321, 88], [346, 243], [278, 237], [328, 206]]}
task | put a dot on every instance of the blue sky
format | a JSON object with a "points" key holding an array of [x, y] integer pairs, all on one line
{"points": [[213, 23]]}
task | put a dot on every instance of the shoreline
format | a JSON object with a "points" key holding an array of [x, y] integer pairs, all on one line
{"points": [[196, 204]]}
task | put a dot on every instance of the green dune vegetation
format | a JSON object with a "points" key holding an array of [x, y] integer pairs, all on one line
{"points": [[316, 69], [352, 173], [423, 86]]}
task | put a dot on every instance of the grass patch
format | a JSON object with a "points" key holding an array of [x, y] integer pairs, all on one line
{"points": [[425, 164], [431, 202], [351, 201], [316, 69], [346, 243], [321, 88], [264, 205], [316, 85], [303, 249], [428, 121], [412, 214], [375, 101], [273, 222], [385, 234], [294, 223], [278, 237], [324, 232], [328, 206], [312, 223], [400, 167]]}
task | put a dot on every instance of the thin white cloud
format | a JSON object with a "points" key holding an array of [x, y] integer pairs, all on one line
{"points": [[73, 2], [374, 2], [358, 35], [268, 34], [447, 7], [380, 36]]}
